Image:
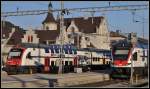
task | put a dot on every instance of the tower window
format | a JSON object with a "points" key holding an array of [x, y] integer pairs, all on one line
{"points": [[72, 30]]}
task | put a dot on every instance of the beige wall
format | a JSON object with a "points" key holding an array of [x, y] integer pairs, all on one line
{"points": [[51, 26], [30, 32]]}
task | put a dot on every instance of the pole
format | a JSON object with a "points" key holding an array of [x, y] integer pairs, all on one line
{"points": [[131, 76], [143, 26], [132, 70], [61, 38]]}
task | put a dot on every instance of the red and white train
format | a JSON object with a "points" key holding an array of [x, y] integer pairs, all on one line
{"points": [[34, 58], [125, 56], [39, 58]]}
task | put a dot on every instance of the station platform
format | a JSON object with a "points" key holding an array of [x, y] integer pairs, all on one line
{"points": [[140, 82], [52, 80]]}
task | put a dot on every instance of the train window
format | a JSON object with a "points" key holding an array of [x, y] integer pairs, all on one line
{"points": [[97, 59], [135, 56], [29, 55], [103, 60], [15, 53], [62, 62], [107, 62], [57, 50], [52, 63], [94, 59], [46, 50], [143, 58], [52, 50], [66, 51], [66, 63], [70, 63], [33, 48], [70, 51], [75, 52]]}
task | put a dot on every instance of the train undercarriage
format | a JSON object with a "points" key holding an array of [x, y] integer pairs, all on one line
{"points": [[12, 70], [125, 73]]}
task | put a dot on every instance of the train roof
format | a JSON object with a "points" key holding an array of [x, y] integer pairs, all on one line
{"points": [[65, 46], [93, 49], [57, 46], [142, 45], [125, 43]]}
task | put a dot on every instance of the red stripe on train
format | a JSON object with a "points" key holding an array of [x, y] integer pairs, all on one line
{"points": [[120, 62]]}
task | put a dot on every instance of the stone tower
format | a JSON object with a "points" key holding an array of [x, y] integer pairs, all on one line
{"points": [[49, 23]]}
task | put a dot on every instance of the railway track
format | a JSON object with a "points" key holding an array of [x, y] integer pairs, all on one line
{"points": [[103, 83], [113, 83]]}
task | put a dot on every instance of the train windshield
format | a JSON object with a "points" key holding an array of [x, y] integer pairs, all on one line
{"points": [[121, 54], [15, 53]]}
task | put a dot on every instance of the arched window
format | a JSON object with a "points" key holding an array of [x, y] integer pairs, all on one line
{"points": [[72, 30], [28, 38], [31, 38]]}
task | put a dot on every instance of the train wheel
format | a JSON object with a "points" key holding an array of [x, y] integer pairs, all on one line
{"points": [[26, 71], [9, 73]]}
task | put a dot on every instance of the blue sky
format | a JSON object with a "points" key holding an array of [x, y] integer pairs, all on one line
{"points": [[117, 20]]}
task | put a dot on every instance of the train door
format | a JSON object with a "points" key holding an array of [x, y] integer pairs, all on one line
{"points": [[76, 61], [47, 64]]}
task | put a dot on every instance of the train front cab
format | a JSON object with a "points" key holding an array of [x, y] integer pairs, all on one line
{"points": [[14, 60]]}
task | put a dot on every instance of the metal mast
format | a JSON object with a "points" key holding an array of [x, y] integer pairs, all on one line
{"points": [[61, 38]]}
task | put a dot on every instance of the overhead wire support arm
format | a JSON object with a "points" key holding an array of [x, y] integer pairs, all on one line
{"points": [[22, 13], [111, 8], [88, 9]]}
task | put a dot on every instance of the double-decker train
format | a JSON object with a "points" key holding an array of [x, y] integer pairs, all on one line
{"points": [[40, 58], [96, 59], [125, 56], [34, 58]]}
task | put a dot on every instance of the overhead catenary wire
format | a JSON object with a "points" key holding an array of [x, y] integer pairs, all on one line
{"points": [[88, 9]]}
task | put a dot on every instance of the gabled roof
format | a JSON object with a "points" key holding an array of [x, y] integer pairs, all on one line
{"points": [[115, 34], [17, 35], [47, 34], [84, 25]]}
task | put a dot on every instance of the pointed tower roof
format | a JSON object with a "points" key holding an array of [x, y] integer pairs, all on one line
{"points": [[50, 5], [50, 17]]}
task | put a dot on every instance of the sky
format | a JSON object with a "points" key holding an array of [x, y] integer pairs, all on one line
{"points": [[116, 20]]}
